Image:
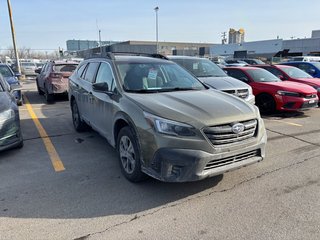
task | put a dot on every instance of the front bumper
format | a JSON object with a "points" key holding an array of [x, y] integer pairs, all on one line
{"points": [[183, 165], [285, 103], [10, 136]]}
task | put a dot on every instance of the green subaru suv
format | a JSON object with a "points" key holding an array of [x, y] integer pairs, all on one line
{"points": [[163, 121]]}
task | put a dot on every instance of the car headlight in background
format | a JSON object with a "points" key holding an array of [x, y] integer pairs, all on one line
{"points": [[289, 94], [169, 127]]}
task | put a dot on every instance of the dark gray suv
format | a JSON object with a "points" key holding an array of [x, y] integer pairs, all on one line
{"points": [[163, 121]]}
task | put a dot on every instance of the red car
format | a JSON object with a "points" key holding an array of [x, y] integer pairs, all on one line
{"points": [[53, 78], [273, 94], [290, 73]]}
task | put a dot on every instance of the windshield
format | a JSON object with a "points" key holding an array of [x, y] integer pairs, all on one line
{"points": [[64, 67], [201, 67], [262, 75], [27, 64], [5, 71], [295, 72], [316, 64], [156, 77]]}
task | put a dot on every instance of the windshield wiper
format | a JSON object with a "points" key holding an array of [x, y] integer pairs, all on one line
{"points": [[143, 90], [178, 89]]}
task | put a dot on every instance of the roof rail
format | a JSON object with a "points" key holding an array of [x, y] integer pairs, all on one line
{"points": [[111, 55]]}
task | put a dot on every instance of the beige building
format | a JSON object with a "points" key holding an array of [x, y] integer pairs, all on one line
{"points": [[236, 36]]}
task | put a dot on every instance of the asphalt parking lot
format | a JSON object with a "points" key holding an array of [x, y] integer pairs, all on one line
{"points": [[68, 185]]}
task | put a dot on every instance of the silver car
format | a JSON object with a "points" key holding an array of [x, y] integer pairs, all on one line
{"points": [[213, 76], [162, 120]]}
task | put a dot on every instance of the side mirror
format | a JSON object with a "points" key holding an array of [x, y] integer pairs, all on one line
{"points": [[100, 87], [38, 70], [282, 77]]}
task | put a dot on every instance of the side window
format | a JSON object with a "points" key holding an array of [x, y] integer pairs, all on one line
{"points": [[91, 71], [80, 71], [275, 72], [105, 75], [238, 74], [43, 70], [304, 67]]}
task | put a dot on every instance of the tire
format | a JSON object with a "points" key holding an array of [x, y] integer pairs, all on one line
{"points": [[19, 102], [78, 123], [129, 155], [49, 97], [38, 88], [20, 145], [266, 103]]}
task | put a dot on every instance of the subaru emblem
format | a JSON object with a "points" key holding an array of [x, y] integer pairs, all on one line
{"points": [[237, 128]]}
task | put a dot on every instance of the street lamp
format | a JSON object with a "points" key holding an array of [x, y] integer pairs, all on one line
{"points": [[156, 9]]}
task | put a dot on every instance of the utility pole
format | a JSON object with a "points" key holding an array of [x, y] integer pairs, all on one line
{"points": [[14, 37], [156, 9], [100, 41], [224, 37]]}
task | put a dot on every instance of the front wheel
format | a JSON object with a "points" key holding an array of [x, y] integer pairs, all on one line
{"points": [[129, 155], [266, 103]]}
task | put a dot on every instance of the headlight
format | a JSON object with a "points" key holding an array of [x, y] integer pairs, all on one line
{"points": [[6, 115], [169, 127], [290, 94]]}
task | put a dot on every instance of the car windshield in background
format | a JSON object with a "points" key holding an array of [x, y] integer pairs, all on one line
{"points": [[5, 71], [64, 67], [295, 72], [156, 77], [201, 67], [261, 75]]}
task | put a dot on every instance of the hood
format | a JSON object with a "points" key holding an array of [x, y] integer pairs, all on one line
{"points": [[5, 101], [198, 108], [224, 83], [292, 87], [12, 80]]}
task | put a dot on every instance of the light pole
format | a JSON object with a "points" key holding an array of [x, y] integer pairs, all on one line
{"points": [[156, 9], [13, 37]]}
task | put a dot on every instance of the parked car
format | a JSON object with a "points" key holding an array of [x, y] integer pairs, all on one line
{"points": [[10, 132], [252, 61], [28, 68], [312, 68], [14, 83], [162, 120], [53, 78], [305, 59], [214, 77], [273, 94], [289, 73], [235, 63]]}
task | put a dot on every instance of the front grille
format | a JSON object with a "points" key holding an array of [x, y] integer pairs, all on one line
{"points": [[223, 134], [311, 96], [233, 159], [241, 93]]}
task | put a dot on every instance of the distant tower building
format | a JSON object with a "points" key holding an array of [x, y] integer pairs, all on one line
{"points": [[236, 36]]}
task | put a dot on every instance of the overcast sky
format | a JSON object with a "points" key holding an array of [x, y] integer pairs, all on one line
{"points": [[47, 24]]}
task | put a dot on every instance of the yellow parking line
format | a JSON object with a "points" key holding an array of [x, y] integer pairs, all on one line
{"points": [[54, 156], [289, 123]]}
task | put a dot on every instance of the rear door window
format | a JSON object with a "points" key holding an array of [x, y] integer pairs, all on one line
{"points": [[91, 71]]}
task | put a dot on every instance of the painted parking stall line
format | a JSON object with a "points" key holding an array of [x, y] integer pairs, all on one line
{"points": [[53, 154]]}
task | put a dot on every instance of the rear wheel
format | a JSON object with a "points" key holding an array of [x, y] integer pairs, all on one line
{"points": [[78, 123], [39, 89], [48, 96], [129, 155], [266, 103]]}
